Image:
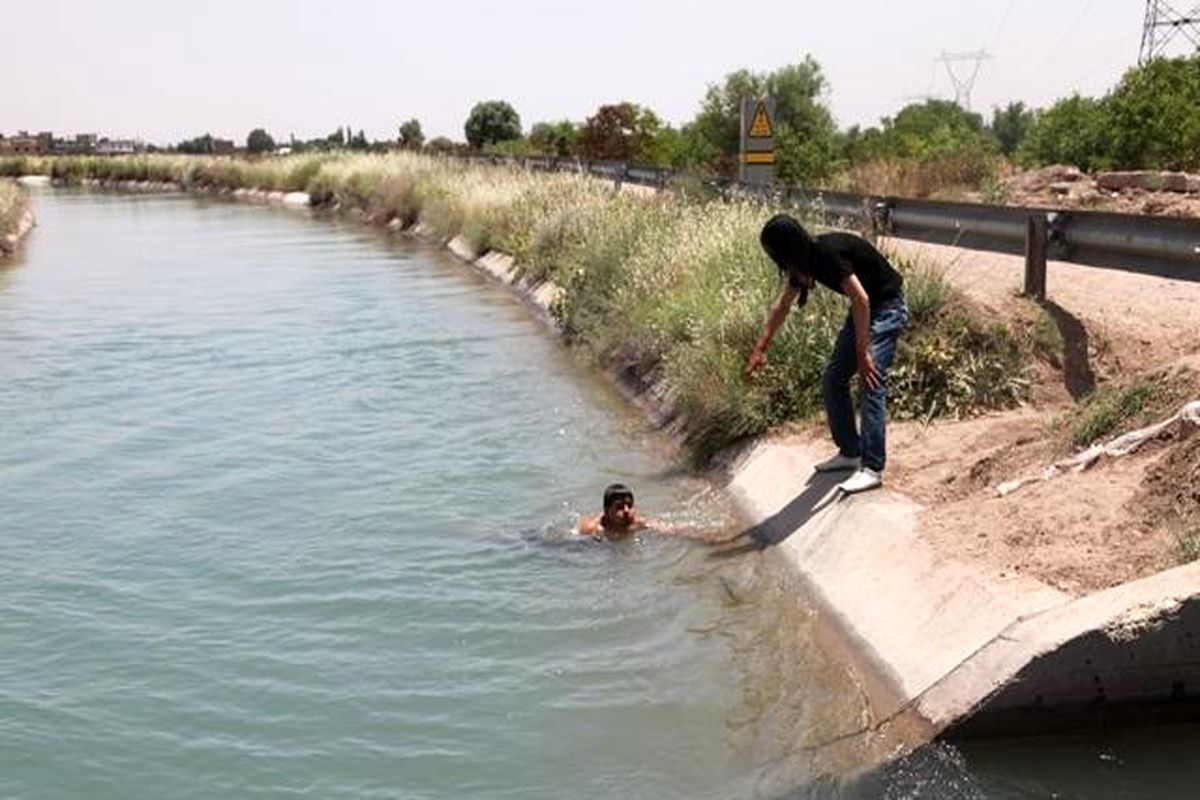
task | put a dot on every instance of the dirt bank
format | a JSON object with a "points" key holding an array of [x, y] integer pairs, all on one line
{"points": [[1118, 521]]}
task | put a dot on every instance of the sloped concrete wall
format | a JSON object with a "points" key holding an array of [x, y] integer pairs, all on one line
{"points": [[969, 653]]}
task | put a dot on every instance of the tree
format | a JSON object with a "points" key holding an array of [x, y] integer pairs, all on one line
{"points": [[929, 130], [1011, 125], [620, 132], [490, 122], [201, 145], [1072, 131], [411, 137], [669, 148], [259, 141], [440, 144], [1152, 116], [804, 126], [554, 138]]}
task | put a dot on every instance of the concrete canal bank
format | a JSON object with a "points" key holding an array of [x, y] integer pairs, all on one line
{"points": [[951, 646]]}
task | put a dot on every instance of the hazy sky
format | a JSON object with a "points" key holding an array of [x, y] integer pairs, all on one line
{"points": [[169, 70]]}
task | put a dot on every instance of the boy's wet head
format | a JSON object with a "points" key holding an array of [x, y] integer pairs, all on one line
{"points": [[618, 504]]}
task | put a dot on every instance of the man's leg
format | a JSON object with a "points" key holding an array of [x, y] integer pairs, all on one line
{"points": [[886, 326], [839, 408]]}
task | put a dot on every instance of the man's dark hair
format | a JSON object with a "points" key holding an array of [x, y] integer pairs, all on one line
{"points": [[616, 491], [789, 246]]}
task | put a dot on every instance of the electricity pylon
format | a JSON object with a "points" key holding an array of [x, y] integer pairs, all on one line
{"points": [[963, 84], [1164, 24]]}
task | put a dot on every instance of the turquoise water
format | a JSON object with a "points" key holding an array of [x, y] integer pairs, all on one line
{"points": [[286, 511]]}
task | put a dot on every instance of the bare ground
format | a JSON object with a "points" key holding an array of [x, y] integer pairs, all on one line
{"points": [[1120, 520]]}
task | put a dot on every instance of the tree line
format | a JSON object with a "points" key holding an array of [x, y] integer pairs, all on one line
{"points": [[1149, 120]]}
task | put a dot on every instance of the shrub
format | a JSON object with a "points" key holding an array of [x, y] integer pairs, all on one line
{"points": [[955, 366]]}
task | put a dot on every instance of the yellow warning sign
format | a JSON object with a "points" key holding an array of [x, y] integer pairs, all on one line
{"points": [[759, 158], [760, 127]]}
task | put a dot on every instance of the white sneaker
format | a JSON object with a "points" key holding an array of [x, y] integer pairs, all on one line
{"points": [[838, 463], [866, 478]]}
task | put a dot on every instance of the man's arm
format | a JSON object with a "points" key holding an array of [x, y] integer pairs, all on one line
{"points": [[589, 526], [704, 536], [860, 310], [779, 312]]}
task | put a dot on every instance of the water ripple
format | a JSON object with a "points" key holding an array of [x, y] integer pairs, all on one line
{"points": [[284, 514]]}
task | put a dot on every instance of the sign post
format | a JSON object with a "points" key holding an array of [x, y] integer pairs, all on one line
{"points": [[756, 164]]}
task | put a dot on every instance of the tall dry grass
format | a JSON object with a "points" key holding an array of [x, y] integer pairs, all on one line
{"points": [[949, 175], [13, 203]]}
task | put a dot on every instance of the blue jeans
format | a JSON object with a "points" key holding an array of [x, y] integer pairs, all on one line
{"points": [[887, 320]]}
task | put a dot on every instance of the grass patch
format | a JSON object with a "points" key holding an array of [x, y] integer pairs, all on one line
{"points": [[1108, 408], [926, 290], [1187, 545], [1046, 339], [945, 175], [1118, 408]]}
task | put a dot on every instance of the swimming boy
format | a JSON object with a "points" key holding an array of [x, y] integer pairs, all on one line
{"points": [[619, 519]]}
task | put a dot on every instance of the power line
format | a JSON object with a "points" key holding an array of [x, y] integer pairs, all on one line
{"points": [[1163, 24], [1058, 49], [1003, 21]]}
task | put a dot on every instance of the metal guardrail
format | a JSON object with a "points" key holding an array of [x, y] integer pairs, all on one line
{"points": [[1146, 244]]}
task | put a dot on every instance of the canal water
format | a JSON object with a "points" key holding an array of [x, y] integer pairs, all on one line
{"points": [[286, 510]]}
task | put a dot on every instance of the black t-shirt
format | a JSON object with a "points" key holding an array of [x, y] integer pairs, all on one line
{"points": [[835, 256]]}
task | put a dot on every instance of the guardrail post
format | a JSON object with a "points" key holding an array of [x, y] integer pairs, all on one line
{"points": [[1036, 245]]}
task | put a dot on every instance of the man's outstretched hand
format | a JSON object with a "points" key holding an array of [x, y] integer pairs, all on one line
{"points": [[754, 361]]}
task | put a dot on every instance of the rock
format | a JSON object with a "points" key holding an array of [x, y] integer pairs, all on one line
{"points": [[1116, 181], [1149, 181], [1040, 179]]}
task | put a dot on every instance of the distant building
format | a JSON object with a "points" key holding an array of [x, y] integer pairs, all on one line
{"points": [[118, 147], [22, 145], [222, 147], [45, 143], [83, 144]]}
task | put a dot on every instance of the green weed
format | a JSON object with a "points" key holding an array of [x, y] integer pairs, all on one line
{"points": [[1115, 408]]}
